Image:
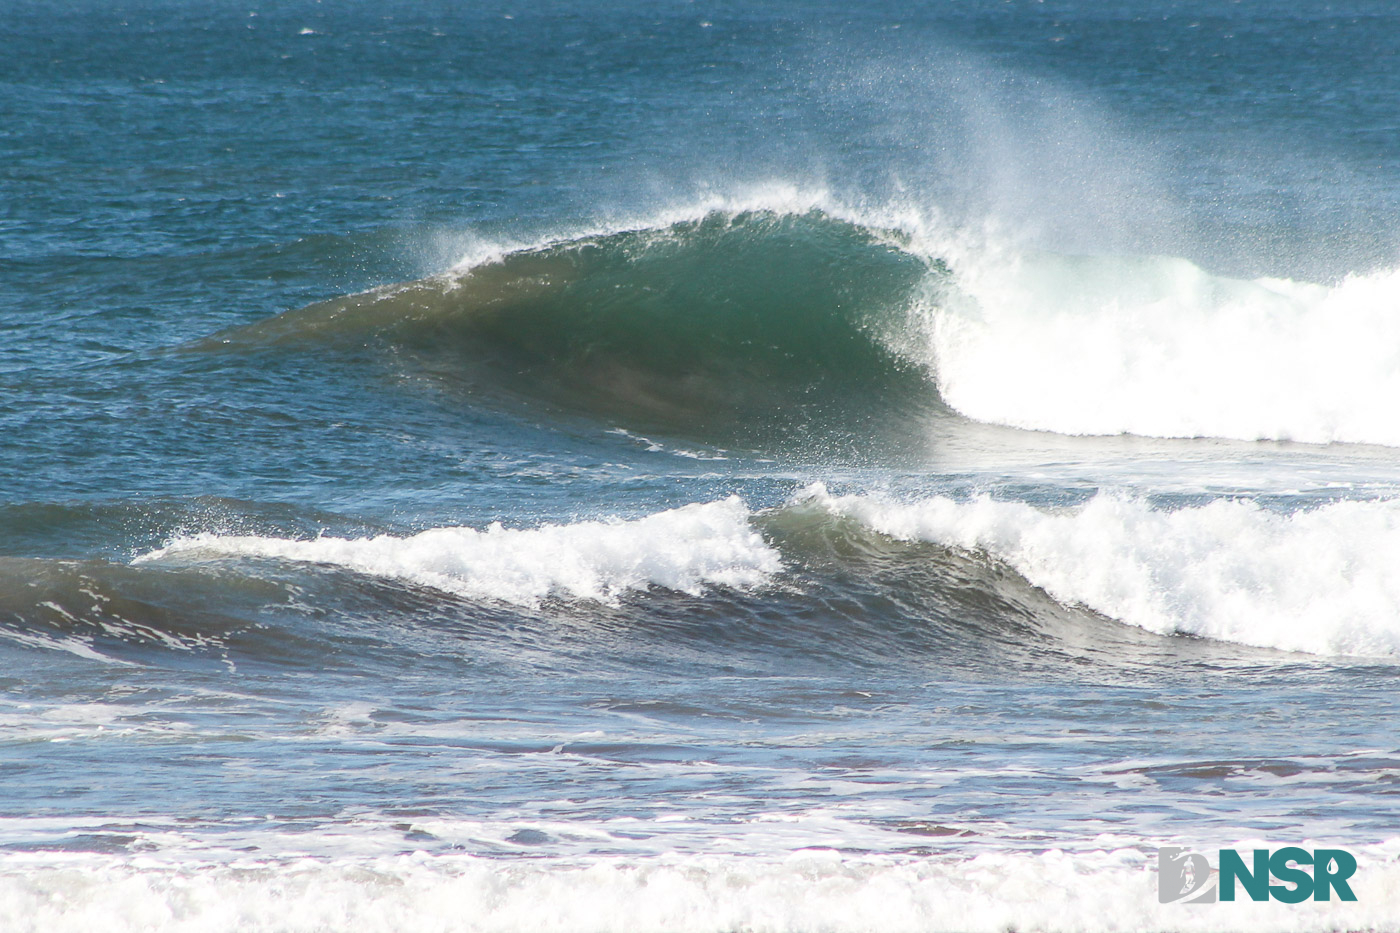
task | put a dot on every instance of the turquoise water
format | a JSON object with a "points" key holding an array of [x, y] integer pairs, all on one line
{"points": [[693, 466]]}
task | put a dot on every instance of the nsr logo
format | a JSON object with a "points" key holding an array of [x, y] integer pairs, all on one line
{"points": [[1185, 877]]}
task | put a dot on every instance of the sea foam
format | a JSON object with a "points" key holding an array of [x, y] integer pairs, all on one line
{"points": [[808, 892], [684, 549], [1324, 580], [1158, 346]]}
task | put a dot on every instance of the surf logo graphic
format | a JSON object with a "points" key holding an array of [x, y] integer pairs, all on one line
{"points": [[1184, 877]]}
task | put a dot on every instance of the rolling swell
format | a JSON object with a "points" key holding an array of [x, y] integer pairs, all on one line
{"points": [[748, 326]]}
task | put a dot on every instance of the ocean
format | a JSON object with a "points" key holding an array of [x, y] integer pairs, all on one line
{"points": [[695, 466]]}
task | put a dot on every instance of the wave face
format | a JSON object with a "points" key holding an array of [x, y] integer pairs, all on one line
{"points": [[760, 322]]}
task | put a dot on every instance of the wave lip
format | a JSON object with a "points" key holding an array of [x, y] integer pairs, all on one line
{"points": [[686, 549], [1322, 581]]}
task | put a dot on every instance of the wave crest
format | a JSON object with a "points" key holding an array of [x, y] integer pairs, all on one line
{"points": [[685, 549]]}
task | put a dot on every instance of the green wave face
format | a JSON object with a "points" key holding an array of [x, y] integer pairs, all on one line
{"points": [[752, 327]]}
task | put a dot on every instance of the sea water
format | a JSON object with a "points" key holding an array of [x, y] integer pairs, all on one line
{"points": [[694, 466]]}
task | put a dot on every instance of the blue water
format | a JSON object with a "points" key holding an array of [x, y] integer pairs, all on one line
{"points": [[703, 466]]}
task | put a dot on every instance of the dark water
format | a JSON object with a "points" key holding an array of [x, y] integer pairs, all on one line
{"points": [[693, 466]]}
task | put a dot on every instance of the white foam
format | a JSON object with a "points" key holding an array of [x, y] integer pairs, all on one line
{"points": [[1325, 581], [809, 891], [1160, 347], [683, 549]]}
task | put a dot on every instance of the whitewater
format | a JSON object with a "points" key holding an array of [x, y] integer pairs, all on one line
{"points": [[712, 467]]}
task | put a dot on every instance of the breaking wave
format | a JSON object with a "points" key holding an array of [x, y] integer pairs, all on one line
{"points": [[683, 549], [1321, 580], [807, 318], [1159, 347]]}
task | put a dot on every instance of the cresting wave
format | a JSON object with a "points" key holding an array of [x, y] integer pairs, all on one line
{"points": [[1322, 581], [683, 549], [782, 315]]}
